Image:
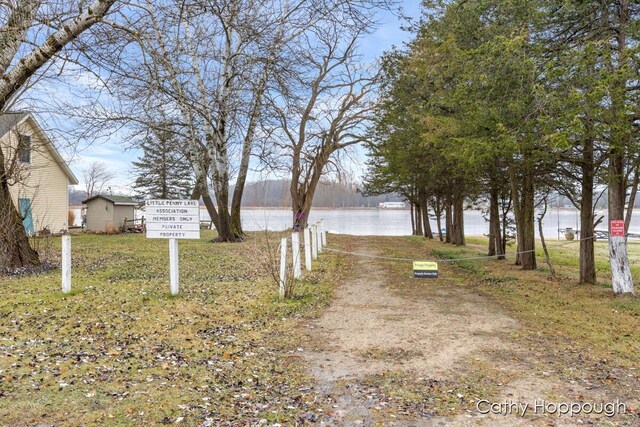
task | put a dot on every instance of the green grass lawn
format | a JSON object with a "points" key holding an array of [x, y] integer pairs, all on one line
{"points": [[119, 350]]}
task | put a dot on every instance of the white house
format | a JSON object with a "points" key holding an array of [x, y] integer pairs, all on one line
{"points": [[39, 178]]}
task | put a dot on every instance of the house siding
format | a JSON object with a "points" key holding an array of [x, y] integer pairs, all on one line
{"points": [[120, 213], [99, 215], [42, 181]]}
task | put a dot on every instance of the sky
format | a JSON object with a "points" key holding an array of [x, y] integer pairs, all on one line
{"points": [[118, 158]]}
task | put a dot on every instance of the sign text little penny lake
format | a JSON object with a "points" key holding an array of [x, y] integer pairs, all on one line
{"points": [[172, 219]]}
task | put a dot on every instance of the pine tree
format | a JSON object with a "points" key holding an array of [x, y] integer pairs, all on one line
{"points": [[163, 172]]}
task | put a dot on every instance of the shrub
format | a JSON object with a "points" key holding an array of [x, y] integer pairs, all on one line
{"points": [[111, 229]]}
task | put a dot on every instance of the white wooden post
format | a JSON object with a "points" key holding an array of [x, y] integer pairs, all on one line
{"points": [[314, 241], [323, 227], [174, 267], [307, 248], [295, 251], [319, 238], [66, 264], [283, 266]]}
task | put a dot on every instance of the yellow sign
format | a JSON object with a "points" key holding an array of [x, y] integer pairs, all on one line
{"points": [[425, 265], [425, 270]]}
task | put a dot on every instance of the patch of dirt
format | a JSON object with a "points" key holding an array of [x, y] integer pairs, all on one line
{"points": [[429, 340]]}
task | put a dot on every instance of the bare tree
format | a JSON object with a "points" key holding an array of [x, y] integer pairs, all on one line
{"points": [[96, 178], [204, 66], [207, 66], [328, 109], [32, 32]]}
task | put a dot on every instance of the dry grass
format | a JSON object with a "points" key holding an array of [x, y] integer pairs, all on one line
{"points": [[582, 333], [119, 350]]}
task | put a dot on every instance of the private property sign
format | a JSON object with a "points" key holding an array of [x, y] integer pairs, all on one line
{"points": [[425, 269], [616, 228], [172, 219]]}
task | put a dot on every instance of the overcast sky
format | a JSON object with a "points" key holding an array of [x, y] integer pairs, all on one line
{"points": [[118, 159]]}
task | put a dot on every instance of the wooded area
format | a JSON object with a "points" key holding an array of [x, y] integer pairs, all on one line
{"points": [[506, 102]]}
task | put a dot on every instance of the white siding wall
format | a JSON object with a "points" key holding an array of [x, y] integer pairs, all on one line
{"points": [[120, 213], [99, 215], [42, 181]]}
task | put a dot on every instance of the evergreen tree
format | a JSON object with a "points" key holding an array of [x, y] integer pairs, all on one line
{"points": [[163, 171]]}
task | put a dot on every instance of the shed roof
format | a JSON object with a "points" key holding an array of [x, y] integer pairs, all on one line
{"points": [[116, 200]]}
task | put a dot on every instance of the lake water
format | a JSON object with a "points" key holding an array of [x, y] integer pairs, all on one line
{"points": [[395, 222]]}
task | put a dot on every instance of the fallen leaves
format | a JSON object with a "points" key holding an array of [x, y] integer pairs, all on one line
{"points": [[118, 350]]}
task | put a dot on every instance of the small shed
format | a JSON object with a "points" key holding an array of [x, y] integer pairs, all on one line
{"points": [[106, 213]]}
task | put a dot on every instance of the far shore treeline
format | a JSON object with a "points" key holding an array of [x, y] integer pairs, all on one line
{"points": [[276, 194]]}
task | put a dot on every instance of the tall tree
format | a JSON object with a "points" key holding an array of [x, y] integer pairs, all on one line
{"points": [[163, 171], [32, 33], [326, 108]]}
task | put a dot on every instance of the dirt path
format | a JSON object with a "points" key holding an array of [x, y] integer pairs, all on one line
{"points": [[431, 334]]}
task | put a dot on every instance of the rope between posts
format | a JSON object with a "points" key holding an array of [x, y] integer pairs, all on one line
{"points": [[450, 259], [412, 259]]}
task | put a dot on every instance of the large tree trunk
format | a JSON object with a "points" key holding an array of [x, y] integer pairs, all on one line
{"points": [[413, 219], [632, 199], [587, 254], [504, 212], [428, 233], [448, 222], [621, 279], [238, 191], [301, 203], [505, 226], [418, 220], [547, 257], [524, 212], [495, 238], [220, 178], [458, 218], [302, 194], [528, 223], [236, 201], [201, 190], [438, 211], [424, 208], [15, 250], [225, 232]]}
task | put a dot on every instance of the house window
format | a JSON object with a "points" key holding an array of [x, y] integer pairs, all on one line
{"points": [[24, 149]]}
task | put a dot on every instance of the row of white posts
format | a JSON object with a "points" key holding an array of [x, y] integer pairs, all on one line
{"points": [[315, 238]]}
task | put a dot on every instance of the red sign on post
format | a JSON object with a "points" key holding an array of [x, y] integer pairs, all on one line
{"points": [[616, 228]]}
